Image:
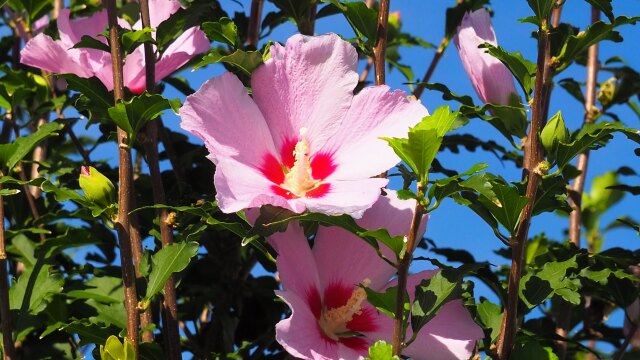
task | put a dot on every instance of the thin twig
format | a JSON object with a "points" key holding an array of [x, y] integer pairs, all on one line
{"points": [[533, 156], [444, 43], [403, 273], [253, 32], [575, 217], [7, 337], [380, 46], [169, 305], [125, 192]]}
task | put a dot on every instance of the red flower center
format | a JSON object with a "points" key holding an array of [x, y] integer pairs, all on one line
{"points": [[300, 174], [342, 318]]}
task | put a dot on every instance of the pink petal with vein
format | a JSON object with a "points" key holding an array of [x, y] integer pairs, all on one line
{"points": [[490, 77]]}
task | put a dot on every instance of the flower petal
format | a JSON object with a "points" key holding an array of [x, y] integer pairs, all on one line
{"points": [[347, 197], [490, 77], [300, 334], [308, 84], [451, 334], [46, 54], [296, 265], [192, 42], [162, 10], [133, 71], [356, 260], [392, 214], [241, 187], [72, 31], [375, 112], [222, 114]]}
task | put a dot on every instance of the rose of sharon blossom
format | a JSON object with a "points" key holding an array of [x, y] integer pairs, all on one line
{"points": [[491, 78], [58, 56], [304, 141], [331, 318]]}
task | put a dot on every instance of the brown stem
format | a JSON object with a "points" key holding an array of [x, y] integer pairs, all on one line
{"points": [[432, 67], [307, 26], [7, 337], [125, 191], [575, 218], [403, 273], [380, 46], [39, 154], [583, 159], [533, 156], [169, 306], [253, 32]]}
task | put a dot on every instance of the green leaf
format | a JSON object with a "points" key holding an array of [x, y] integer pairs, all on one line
{"points": [[595, 33], [245, 61], [131, 116], [424, 140], [523, 69], [435, 292], [33, 291], [604, 6], [381, 350], [551, 279], [103, 289], [591, 136], [132, 38], [383, 301], [507, 205], [89, 333], [95, 99], [11, 154], [168, 260], [526, 348], [89, 42], [491, 316], [363, 20], [113, 349], [573, 88], [542, 8], [395, 243], [223, 30]]}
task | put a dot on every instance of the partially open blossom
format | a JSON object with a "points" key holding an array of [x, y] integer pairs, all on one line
{"points": [[97, 187], [491, 78], [304, 141], [633, 317], [331, 318], [59, 57]]}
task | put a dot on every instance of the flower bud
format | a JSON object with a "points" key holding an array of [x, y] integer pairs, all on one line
{"points": [[490, 77], [555, 131], [97, 187], [607, 91]]}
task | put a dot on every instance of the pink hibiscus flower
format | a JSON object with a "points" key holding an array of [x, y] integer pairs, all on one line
{"points": [[58, 57], [304, 141], [331, 318], [490, 77]]}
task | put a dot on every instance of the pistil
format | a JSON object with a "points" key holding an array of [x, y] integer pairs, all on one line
{"points": [[333, 322], [299, 180]]}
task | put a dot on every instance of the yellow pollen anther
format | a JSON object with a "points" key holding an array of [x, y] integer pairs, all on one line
{"points": [[334, 321], [299, 180]]}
